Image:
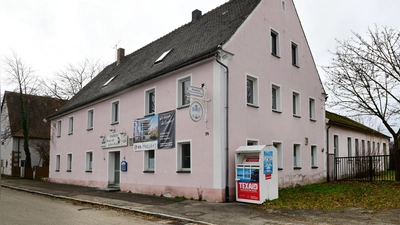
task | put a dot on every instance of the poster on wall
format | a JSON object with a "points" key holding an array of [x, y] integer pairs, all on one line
{"points": [[248, 183], [268, 164], [154, 132]]}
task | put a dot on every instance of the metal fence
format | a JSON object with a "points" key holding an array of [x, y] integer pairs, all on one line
{"points": [[365, 168]]}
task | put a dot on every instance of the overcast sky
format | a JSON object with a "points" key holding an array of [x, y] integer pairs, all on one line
{"points": [[49, 34]]}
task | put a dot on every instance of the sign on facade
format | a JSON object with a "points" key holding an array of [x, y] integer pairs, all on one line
{"points": [[196, 91], [115, 140]]}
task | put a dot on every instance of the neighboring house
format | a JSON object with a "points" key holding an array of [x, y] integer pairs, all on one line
{"points": [[348, 138], [12, 140], [160, 121]]}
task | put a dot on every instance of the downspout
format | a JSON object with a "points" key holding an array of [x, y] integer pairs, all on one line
{"points": [[226, 127], [327, 154]]}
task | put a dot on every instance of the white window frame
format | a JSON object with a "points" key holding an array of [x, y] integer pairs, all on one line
{"points": [[279, 146], [378, 148], [349, 147], [294, 50], [250, 142], [58, 160], [296, 153], [90, 119], [115, 112], [254, 90], [147, 163], [296, 104], [283, 6], [89, 161], [311, 108], [274, 35], [180, 168], [70, 125], [363, 147], [59, 125], [357, 147], [336, 145], [69, 162], [314, 156], [384, 150], [182, 100], [147, 94], [278, 98]]}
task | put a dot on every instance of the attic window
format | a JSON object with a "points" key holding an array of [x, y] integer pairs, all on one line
{"points": [[161, 58], [106, 83]]}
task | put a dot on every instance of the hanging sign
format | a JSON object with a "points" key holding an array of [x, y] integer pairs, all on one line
{"points": [[196, 111], [115, 140], [196, 91]]}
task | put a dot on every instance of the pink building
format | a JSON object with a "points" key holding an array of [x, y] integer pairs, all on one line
{"points": [[168, 118]]}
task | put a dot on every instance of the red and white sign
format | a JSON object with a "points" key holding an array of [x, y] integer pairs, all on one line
{"points": [[249, 190], [252, 159]]}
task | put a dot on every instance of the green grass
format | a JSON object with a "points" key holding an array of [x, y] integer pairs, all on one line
{"points": [[338, 195]]}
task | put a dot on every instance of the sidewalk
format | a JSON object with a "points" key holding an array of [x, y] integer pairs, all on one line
{"points": [[201, 212]]}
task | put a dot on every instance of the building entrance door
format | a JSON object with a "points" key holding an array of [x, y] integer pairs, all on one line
{"points": [[113, 169]]}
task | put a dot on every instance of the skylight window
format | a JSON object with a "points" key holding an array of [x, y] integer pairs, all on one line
{"points": [[106, 83], [162, 57]]}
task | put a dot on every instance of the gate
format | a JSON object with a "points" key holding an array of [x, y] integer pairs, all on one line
{"points": [[364, 168]]}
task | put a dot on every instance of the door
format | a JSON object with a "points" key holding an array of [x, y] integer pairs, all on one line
{"points": [[114, 168]]}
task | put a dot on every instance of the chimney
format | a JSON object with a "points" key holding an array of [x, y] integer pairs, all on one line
{"points": [[196, 14], [120, 54]]}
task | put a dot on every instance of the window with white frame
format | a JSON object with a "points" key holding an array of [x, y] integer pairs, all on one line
{"points": [[357, 147], [251, 90], [378, 150], [184, 157], [70, 125], [23, 163], [252, 142], [311, 108], [58, 158], [278, 146], [384, 149], [373, 148], [183, 95], [90, 119], [59, 128], [89, 161], [296, 156], [314, 162], [150, 102], [115, 112], [336, 145], [69, 162], [274, 43], [276, 98], [363, 147], [369, 147], [149, 161], [296, 104], [349, 147], [295, 54]]}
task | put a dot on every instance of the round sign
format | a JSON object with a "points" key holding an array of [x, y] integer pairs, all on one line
{"points": [[196, 111]]}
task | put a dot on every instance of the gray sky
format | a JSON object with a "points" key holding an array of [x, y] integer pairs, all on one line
{"points": [[49, 34]]}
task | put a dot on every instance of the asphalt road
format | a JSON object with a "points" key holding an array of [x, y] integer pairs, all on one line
{"points": [[18, 207]]}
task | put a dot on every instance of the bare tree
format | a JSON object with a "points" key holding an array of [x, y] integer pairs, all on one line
{"points": [[20, 74], [364, 79], [70, 80]]}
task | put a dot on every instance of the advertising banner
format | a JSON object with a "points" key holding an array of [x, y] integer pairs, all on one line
{"points": [[268, 165], [248, 183], [114, 140], [154, 132]]}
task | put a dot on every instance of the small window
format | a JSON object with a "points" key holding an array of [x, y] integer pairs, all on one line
{"points": [[278, 146], [276, 98], [115, 112], [311, 106], [59, 128], [252, 142], [369, 147], [69, 162], [184, 157], [162, 57], [23, 163], [150, 102], [296, 104], [89, 161], [373, 148], [252, 91], [384, 149], [58, 157], [314, 156], [70, 125], [90, 119], [336, 145], [295, 55], [363, 147], [378, 150], [296, 156], [183, 95], [349, 150], [357, 147], [108, 81], [149, 157], [274, 43]]}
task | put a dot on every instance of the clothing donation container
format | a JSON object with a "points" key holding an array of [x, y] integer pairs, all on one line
{"points": [[256, 173]]}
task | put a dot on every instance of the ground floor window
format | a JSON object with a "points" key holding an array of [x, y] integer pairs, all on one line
{"points": [[89, 161], [296, 157], [278, 146], [149, 161], [184, 157], [58, 163], [314, 163], [69, 162]]}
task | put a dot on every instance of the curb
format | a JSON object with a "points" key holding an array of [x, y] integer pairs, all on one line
{"points": [[159, 215]]}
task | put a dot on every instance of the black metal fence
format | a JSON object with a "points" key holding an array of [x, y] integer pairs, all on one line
{"points": [[365, 168]]}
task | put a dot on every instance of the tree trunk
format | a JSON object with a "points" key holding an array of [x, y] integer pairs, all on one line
{"points": [[25, 132]]}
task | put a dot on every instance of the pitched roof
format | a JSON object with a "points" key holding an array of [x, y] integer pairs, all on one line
{"points": [[346, 122], [190, 43], [37, 108]]}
